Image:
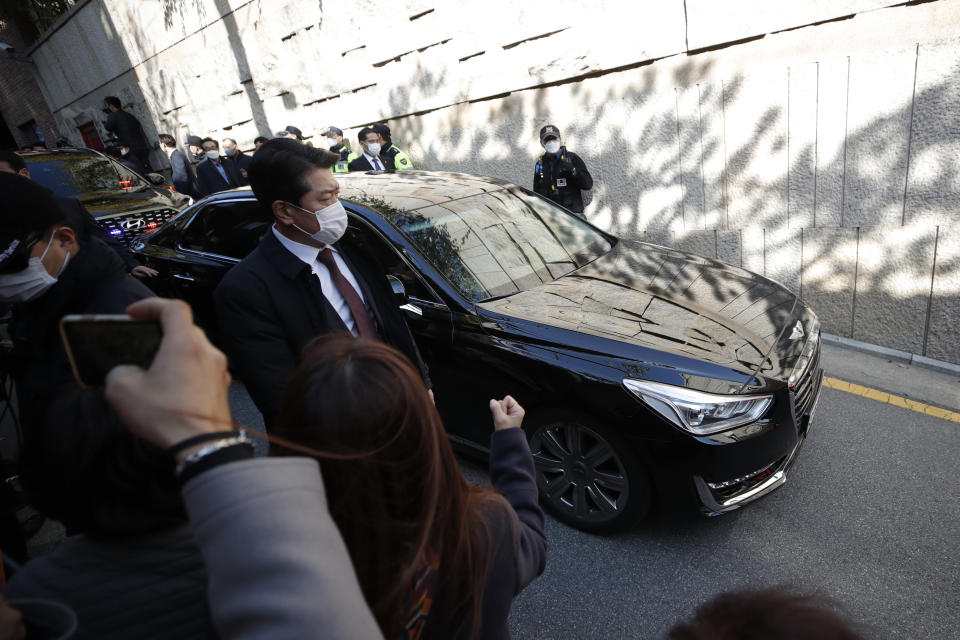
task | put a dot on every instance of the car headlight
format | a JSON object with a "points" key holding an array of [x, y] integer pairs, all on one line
{"points": [[697, 412]]}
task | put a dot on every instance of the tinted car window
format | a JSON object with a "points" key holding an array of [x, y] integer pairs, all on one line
{"points": [[230, 229], [73, 174], [498, 243]]}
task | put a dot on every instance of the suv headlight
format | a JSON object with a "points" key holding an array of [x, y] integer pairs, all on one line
{"points": [[697, 412]]}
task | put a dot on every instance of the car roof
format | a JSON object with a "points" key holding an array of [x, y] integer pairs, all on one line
{"points": [[406, 190]]}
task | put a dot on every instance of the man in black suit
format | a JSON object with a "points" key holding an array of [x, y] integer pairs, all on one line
{"points": [[300, 282], [181, 170], [213, 174], [236, 155], [129, 133], [369, 158]]}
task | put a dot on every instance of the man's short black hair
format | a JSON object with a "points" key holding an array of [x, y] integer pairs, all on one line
{"points": [[383, 131], [260, 139], [210, 140], [167, 140], [13, 159], [112, 101], [83, 467], [362, 135], [279, 167]]}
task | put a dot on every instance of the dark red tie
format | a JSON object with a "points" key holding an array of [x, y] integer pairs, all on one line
{"points": [[361, 318]]}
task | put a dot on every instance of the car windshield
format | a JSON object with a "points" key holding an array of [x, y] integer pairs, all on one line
{"points": [[498, 243], [75, 174]]}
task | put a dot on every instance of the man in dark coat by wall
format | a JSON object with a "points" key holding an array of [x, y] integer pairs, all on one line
{"points": [[215, 173], [560, 175], [129, 132], [181, 171]]}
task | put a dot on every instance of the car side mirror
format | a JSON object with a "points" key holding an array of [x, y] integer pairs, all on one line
{"points": [[156, 179]]}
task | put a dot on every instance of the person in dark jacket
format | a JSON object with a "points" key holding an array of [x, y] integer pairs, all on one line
{"points": [[130, 567], [129, 133], [80, 219], [435, 556], [213, 173], [233, 153], [47, 272], [181, 170], [370, 157], [300, 281], [560, 175]]}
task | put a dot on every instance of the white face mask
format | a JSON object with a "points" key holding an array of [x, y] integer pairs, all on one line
{"points": [[213, 154], [333, 222], [32, 282], [333, 142], [373, 148], [552, 147]]}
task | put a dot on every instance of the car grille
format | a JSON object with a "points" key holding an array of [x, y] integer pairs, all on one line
{"points": [[727, 489], [807, 386], [129, 225]]}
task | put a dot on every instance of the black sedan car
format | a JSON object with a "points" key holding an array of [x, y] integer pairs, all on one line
{"points": [[123, 202], [647, 373]]}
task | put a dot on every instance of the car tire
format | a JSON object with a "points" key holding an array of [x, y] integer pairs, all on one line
{"points": [[588, 476]]}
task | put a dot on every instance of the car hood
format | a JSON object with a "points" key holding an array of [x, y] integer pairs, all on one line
{"points": [[659, 298], [110, 203]]}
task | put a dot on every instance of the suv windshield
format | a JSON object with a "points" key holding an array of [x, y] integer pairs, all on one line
{"points": [[75, 174], [498, 243]]}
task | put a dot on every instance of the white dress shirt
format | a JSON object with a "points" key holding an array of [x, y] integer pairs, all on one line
{"points": [[309, 254], [371, 159]]}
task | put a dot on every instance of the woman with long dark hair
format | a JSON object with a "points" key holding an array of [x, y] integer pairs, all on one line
{"points": [[435, 556]]}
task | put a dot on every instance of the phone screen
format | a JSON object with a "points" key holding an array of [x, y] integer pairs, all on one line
{"points": [[96, 344]]}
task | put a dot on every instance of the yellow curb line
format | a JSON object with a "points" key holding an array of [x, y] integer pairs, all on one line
{"points": [[897, 401]]}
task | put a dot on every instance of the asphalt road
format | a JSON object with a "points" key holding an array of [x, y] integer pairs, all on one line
{"points": [[869, 516]]}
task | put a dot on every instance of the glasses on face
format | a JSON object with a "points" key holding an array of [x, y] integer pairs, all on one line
{"points": [[20, 258]]}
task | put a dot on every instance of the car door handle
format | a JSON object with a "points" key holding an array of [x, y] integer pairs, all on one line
{"points": [[185, 277], [412, 310]]}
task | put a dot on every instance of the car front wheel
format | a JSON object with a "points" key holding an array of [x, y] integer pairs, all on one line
{"points": [[587, 476]]}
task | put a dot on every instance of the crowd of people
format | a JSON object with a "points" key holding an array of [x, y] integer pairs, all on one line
{"points": [[359, 524]]}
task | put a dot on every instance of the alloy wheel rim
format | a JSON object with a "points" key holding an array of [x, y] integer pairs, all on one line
{"points": [[579, 473]]}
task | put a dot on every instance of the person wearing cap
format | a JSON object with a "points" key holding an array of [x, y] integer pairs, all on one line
{"points": [[339, 146], [371, 158], [48, 270], [560, 175], [291, 131], [390, 152], [195, 146]]}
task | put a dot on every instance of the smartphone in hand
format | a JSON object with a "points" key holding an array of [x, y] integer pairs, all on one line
{"points": [[96, 344]]}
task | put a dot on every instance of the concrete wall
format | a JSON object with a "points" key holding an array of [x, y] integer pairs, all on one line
{"points": [[814, 141]]}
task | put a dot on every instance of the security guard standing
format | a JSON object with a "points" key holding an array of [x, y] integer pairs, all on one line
{"points": [[560, 175], [390, 152], [334, 136]]}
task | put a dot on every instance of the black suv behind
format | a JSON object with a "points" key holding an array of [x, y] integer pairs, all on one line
{"points": [[123, 202]]}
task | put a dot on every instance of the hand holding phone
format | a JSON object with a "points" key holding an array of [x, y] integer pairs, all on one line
{"points": [[184, 391]]}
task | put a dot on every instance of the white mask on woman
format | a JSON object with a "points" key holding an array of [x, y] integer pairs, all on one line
{"points": [[333, 222], [31, 282]]}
